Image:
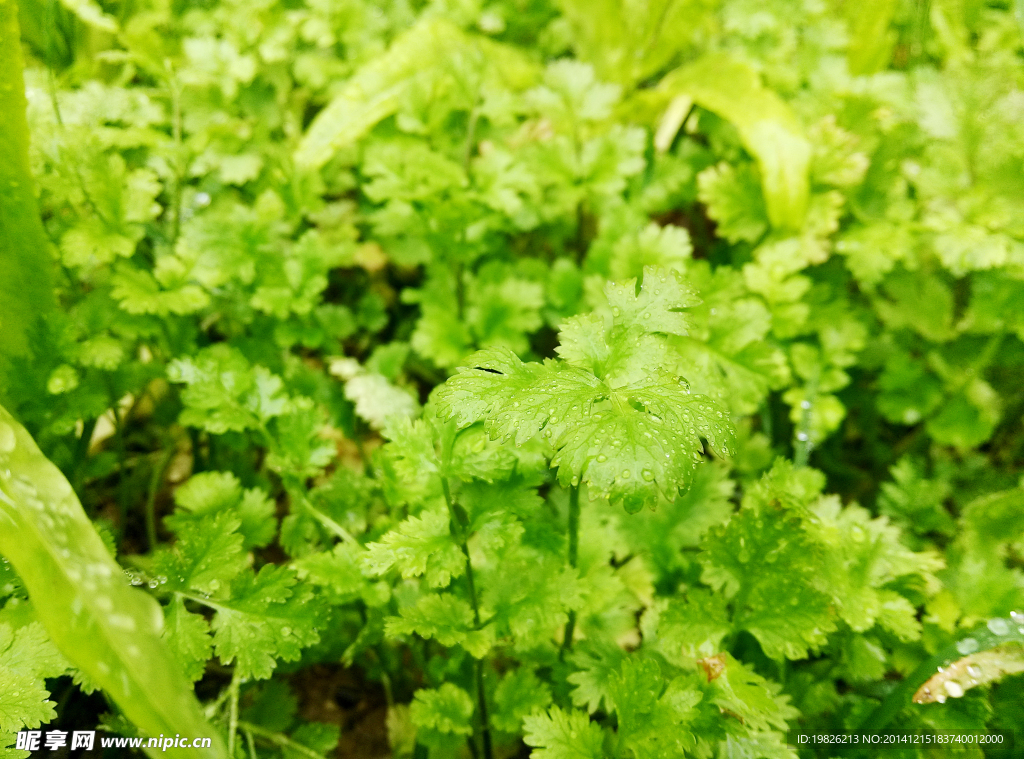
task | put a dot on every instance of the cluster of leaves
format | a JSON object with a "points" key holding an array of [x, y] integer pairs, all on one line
{"points": [[584, 379]]}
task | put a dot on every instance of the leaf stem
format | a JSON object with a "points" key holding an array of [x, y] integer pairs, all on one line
{"points": [[574, 550], [233, 711], [278, 739], [159, 469], [459, 523], [803, 445]]}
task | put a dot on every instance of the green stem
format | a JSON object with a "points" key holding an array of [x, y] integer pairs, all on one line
{"points": [[159, 469], [249, 742], [123, 495], [233, 712], [81, 453], [467, 152], [802, 446], [574, 550], [459, 524], [278, 739], [330, 524]]}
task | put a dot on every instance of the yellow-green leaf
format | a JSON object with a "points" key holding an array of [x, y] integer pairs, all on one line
{"points": [[767, 126], [105, 627]]}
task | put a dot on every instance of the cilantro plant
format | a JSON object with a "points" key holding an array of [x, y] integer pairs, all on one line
{"points": [[539, 378]]}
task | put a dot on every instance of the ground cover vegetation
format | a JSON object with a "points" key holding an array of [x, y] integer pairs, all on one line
{"points": [[574, 379]]}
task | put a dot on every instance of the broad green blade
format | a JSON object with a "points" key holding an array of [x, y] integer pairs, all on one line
{"points": [[987, 654], [767, 126], [870, 39], [102, 625], [25, 289], [375, 91]]}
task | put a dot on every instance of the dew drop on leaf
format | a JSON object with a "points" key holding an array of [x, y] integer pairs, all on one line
{"points": [[954, 689], [967, 646], [999, 626]]}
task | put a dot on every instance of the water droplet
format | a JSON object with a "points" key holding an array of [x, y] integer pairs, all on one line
{"points": [[999, 626], [1017, 617], [941, 698], [647, 474], [954, 688], [974, 670], [805, 404], [625, 474], [286, 631], [602, 458], [967, 646], [801, 436]]}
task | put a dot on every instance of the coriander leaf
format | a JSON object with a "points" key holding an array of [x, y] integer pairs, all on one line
{"points": [[225, 393], [862, 555], [445, 618], [188, 637], [27, 658], [206, 558], [558, 734], [442, 714], [212, 492], [625, 436], [734, 200], [519, 693], [740, 691], [596, 662], [652, 718], [420, 545], [696, 625], [766, 566], [269, 617]]}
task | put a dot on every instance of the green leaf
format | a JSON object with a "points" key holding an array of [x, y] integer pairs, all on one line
{"points": [[531, 593], [766, 566], [27, 658], [188, 637], [378, 89], [25, 287], [225, 393], [443, 715], [862, 556], [734, 200], [206, 558], [103, 626], [767, 126], [596, 663], [213, 492], [269, 617], [696, 625], [419, 546], [447, 619], [653, 718], [519, 693], [559, 734], [870, 39], [625, 431]]}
